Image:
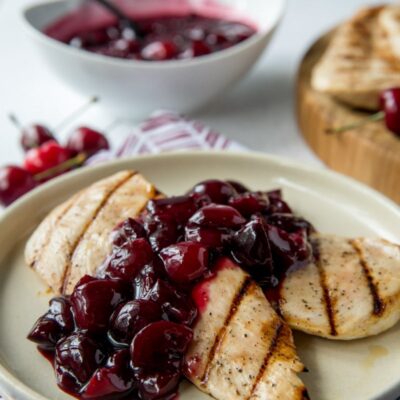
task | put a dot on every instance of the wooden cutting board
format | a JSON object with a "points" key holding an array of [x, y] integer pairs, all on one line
{"points": [[370, 153]]}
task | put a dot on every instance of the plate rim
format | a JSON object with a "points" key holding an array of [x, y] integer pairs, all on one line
{"points": [[11, 385]]}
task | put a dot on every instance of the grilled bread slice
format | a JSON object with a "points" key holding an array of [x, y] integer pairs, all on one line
{"points": [[73, 240], [241, 348], [350, 291], [353, 69]]}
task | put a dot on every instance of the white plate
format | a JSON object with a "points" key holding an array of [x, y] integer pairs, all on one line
{"points": [[358, 370]]}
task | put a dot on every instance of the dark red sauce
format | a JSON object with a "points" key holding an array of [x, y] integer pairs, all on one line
{"points": [[162, 37], [124, 333]]}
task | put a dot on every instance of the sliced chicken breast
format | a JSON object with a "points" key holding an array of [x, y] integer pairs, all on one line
{"points": [[353, 68], [351, 290], [241, 348], [73, 240]]}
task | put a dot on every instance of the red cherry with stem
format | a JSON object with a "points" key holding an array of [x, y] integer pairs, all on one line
{"points": [[389, 101], [33, 135], [87, 140], [389, 104], [48, 155], [14, 182]]}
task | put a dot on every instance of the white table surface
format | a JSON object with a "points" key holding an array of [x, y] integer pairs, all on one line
{"points": [[259, 112]]}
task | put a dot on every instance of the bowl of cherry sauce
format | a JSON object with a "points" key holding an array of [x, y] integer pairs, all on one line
{"points": [[181, 55]]}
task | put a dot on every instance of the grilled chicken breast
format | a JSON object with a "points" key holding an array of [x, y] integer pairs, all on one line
{"points": [[389, 22], [351, 290], [241, 348], [353, 68], [73, 240]]}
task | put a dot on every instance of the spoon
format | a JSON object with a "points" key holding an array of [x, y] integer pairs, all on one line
{"points": [[123, 19]]}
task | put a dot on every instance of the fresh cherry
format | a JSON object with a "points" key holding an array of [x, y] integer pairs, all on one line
{"points": [[88, 141], [14, 183], [390, 104], [218, 191], [94, 302], [129, 318], [77, 357], [45, 157], [185, 262], [35, 135]]}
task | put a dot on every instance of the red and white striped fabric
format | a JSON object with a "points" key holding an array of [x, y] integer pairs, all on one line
{"points": [[167, 131]]}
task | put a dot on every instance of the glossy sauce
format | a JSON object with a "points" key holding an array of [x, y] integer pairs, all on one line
{"points": [[163, 36]]}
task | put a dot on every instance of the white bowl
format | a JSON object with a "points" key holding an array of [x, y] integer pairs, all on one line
{"points": [[134, 87]]}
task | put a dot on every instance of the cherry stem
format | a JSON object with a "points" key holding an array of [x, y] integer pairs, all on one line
{"points": [[15, 121], [122, 17], [371, 118], [76, 113], [65, 166]]}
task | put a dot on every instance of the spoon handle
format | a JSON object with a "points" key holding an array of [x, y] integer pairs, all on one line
{"points": [[120, 15]]}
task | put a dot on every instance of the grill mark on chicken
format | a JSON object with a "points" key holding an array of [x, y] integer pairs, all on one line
{"points": [[218, 339], [56, 223], [267, 359], [378, 302], [89, 223], [322, 278]]}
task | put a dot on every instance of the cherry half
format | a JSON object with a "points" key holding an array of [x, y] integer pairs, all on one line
{"points": [[185, 262], [93, 302]]}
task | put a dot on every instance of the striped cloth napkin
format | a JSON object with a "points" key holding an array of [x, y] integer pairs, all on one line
{"points": [[166, 131]]}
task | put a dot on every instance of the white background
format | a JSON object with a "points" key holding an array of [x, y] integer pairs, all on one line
{"points": [[259, 112]]}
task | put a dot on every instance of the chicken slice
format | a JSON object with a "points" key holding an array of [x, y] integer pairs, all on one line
{"points": [[353, 68], [73, 240], [241, 348], [350, 290]]}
